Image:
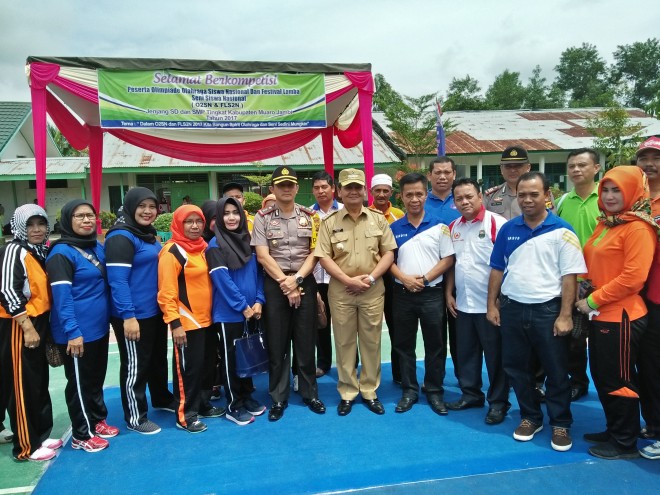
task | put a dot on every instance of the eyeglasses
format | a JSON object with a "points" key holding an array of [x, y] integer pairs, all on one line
{"points": [[83, 216], [193, 222]]}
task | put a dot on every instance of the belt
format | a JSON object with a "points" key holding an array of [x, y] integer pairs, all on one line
{"points": [[436, 286]]}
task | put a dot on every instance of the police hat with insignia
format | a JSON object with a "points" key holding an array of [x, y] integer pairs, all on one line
{"points": [[283, 174], [351, 176], [514, 154]]}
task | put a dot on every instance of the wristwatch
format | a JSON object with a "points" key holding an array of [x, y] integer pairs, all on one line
{"points": [[425, 280], [299, 279], [372, 281]]}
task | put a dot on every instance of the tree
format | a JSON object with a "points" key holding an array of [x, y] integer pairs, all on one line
{"points": [[413, 124], [637, 68], [63, 145], [464, 94], [384, 96], [537, 92], [616, 136], [506, 92], [582, 74]]}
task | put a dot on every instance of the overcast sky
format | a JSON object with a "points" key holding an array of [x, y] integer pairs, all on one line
{"points": [[418, 45]]}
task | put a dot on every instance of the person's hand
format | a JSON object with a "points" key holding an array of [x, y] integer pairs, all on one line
{"points": [[287, 284], [358, 285], [295, 297], [257, 308], [451, 304], [563, 326], [75, 348], [248, 313], [493, 315], [583, 307], [179, 337], [31, 337], [132, 329], [413, 283]]}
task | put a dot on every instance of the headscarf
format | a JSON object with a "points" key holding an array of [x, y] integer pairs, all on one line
{"points": [[235, 249], [633, 184], [127, 221], [66, 226], [18, 223], [178, 217], [270, 197], [208, 208]]}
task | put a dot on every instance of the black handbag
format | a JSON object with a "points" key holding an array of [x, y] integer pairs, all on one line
{"points": [[53, 352], [251, 353]]}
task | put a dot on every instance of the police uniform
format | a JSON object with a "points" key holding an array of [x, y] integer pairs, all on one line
{"points": [[290, 239], [356, 246]]}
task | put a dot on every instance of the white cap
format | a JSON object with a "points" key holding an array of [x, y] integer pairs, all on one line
{"points": [[381, 180]]}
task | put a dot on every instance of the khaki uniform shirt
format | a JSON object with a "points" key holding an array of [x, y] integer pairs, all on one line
{"points": [[356, 246], [289, 239], [503, 201]]}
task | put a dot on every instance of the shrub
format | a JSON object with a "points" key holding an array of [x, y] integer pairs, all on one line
{"points": [[107, 219], [252, 202], [163, 222]]}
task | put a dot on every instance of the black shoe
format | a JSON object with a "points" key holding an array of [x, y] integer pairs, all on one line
{"points": [[600, 437], [577, 392], [438, 406], [460, 404], [344, 407], [405, 404], [495, 416], [375, 406], [277, 410], [610, 451], [214, 412], [648, 433], [315, 405], [193, 427]]}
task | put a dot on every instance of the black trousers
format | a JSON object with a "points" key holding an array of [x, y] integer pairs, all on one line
{"points": [[84, 387], [388, 280], [25, 393], [237, 389], [142, 363], [187, 370], [410, 309], [477, 340], [449, 335], [577, 362], [649, 369], [324, 337], [613, 353], [285, 324]]}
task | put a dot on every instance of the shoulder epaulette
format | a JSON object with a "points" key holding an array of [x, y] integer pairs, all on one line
{"points": [[264, 211], [307, 210], [490, 191], [330, 214], [376, 210]]}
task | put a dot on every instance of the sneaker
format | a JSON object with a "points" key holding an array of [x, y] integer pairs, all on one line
{"points": [[526, 430], [651, 451], [214, 412], [171, 407], [94, 444], [254, 407], [561, 439], [295, 383], [611, 451], [42, 454], [52, 443], [194, 427], [600, 437], [216, 393], [146, 428], [104, 430], [6, 436], [241, 417]]}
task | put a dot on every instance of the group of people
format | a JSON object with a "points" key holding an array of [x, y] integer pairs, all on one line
{"points": [[506, 276]]}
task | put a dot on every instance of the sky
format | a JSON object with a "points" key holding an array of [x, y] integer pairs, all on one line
{"points": [[418, 45]]}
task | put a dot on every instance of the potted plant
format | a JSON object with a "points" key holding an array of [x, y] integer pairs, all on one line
{"points": [[162, 226]]}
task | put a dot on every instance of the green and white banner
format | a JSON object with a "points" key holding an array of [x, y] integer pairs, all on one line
{"points": [[189, 100]]}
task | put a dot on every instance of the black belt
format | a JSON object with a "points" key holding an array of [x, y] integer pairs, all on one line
{"points": [[436, 286]]}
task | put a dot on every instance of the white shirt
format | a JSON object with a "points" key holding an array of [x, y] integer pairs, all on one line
{"points": [[473, 242], [423, 251], [320, 274]]}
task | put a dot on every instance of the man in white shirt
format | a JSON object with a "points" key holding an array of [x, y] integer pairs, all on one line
{"points": [[473, 235]]}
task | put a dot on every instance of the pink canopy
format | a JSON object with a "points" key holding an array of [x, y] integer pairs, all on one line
{"points": [[67, 90]]}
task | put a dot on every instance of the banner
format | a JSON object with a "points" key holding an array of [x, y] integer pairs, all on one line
{"points": [[189, 100]]}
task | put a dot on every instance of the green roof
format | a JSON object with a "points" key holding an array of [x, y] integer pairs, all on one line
{"points": [[12, 116]]}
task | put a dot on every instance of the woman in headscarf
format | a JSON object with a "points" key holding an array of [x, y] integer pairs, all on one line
{"points": [[131, 251], [80, 322], [24, 324], [238, 297], [184, 296], [208, 208], [618, 255]]}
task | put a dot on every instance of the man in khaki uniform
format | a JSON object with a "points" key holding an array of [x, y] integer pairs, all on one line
{"points": [[355, 247]]}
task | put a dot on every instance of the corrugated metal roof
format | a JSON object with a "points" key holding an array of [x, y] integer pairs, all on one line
{"points": [[12, 116], [536, 130], [74, 166], [118, 154]]}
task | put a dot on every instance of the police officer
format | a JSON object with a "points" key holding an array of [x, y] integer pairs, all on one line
{"points": [[285, 235], [356, 248]]}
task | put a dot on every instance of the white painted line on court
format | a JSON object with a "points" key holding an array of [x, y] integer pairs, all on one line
{"points": [[18, 489]]}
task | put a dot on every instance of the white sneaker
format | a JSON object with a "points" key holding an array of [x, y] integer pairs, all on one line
{"points": [[6, 436], [42, 454], [52, 443], [651, 451]]}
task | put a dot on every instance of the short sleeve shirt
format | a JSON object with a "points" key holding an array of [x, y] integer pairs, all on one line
{"points": [[445, 209], [581, 214], [355, 245]]}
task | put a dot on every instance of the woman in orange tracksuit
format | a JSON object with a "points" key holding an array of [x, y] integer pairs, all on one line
{"points": [[619, 255], [184, 297]]}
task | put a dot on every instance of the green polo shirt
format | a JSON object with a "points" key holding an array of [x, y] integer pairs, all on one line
{"points": [[581, 214]]}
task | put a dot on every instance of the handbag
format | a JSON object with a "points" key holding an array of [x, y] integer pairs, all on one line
{"points": [[251, 353], [321, 313], [580, 320], [53, 353]]}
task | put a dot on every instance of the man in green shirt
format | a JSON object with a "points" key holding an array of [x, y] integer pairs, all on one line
{"points": [[579, 207]]}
